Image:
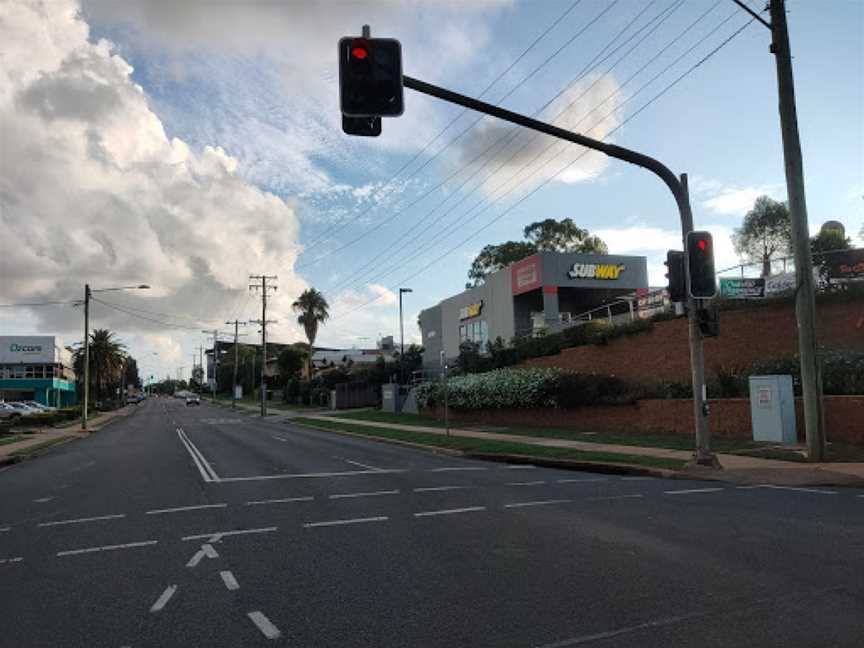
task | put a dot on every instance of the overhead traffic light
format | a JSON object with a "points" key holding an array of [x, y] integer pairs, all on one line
{"points": [[370, 78], [675, 274], [700, 265]]}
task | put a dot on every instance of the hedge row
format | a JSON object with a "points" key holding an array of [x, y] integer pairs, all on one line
{"points": [[48, 418]]}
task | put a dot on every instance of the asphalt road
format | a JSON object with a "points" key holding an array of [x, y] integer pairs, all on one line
{"points": [[201, 527]]}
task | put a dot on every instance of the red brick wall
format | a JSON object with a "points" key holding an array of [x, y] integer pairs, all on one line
{"points": [[746, 336], [730, 417]]}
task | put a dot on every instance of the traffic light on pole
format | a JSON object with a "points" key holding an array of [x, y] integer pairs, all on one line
{"points": [[370, 78], [675, 274], [700, 265]]}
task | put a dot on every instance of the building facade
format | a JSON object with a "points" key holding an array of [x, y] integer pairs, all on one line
{"points": [[36, 367], [541, 292]]}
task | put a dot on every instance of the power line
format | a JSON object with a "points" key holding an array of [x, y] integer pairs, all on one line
{"points": [[564, 168], [545, 32], [380, 224], [121, 309], [45, 303], [662, 16]]}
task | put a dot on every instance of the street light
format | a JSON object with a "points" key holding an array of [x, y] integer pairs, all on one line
{"points": [[87, 292], [402, 337]]}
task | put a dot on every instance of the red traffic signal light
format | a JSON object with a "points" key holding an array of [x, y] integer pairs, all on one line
{"points": [[359, 52], [700, 265], [370, 77]]}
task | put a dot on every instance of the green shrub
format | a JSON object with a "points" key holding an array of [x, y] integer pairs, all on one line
{"points": [[582, 390]]}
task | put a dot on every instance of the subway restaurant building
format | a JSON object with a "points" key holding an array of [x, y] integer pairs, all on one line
{"points": [[36, 368], [541, 292]]}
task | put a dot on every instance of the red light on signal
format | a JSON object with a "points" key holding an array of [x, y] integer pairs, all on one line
{"points": [[702, 244], [359, 52]]}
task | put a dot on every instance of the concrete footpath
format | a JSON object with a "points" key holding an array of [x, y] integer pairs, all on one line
{"points": [[43, 437], [735, 468]]}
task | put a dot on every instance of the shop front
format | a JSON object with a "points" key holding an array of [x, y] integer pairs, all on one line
{"points": [[36, 368]]}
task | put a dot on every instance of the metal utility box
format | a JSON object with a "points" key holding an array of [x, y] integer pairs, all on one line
{"points": [[772, 409], [390, 398]]}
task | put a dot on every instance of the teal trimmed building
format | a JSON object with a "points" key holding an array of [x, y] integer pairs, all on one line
{"points": [[36, 368]]}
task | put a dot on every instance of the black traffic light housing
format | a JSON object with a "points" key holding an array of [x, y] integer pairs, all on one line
{"points": [[363, 126], [708, 320], [675, 274], [370, 78], [700, 265]]}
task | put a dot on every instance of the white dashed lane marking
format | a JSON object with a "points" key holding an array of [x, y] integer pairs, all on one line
{"points": [[433, 489], [467, 509], [80, 520], [42, 500], [128, 545], [4, 561], [229, 580], [528, 483], [180, 509], [368, 494], [327, 523], [457, 468], [691, 491], [538, 503], [283, 500], [263, 624], [581, 480], [216, 536], [163, 599], [615, 497], [4, 529], [357, 463]]}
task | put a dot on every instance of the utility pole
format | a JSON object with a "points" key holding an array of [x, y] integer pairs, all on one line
{"points": [[86, 357], [402, 337], [237, 324], [263, 287], [805, 301]]}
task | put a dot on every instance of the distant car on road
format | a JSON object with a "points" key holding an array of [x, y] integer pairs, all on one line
{"points": [[131, 399], [192, 399]]}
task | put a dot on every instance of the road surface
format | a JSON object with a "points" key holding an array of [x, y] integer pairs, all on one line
{"points": [[199, 526]]}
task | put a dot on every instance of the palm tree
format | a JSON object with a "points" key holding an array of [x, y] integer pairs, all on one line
{"points": [[313, 310], [107, 361]]}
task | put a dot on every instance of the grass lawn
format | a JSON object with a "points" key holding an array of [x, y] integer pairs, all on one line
{"points": [[492, 447], [4, 440], [835, 452]]}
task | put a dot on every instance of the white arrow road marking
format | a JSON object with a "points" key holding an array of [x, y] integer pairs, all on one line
{"points": [[205, 550], [229, 580], [163, 599], [263, 624]]}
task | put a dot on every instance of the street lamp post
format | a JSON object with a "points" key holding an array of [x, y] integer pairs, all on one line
{"points": [[88, 292], [402, 337]]}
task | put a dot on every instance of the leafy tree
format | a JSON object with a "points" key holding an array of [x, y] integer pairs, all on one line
{"points": [[411, 360], [563, 236], [547, 235], [290, 362], [765, 232], [107, 356], [197, 379], [312, 310]]}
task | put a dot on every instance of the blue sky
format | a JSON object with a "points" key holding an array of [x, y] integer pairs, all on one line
{"points": [[259, 81]]}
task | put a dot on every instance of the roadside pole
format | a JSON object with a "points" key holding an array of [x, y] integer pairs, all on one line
{"points": [[86, 356], [805, 301], [236, 323]]}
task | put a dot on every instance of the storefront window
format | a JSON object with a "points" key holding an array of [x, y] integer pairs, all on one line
{"points": [[463, 335]]}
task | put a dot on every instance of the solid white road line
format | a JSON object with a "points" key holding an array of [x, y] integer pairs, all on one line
{"points": [[818, 491], [537, 503], [635, 478], [218, 535], [370, 494], [457, 468], [128, 545], [185, 508], [229, 580], [4, 529], [283, 500], [615, 497], [263, 624], [206, 470], [432, 489], [79, 520], [380, 518], [581, 481], [689, 491], [3, 561], [357, 463], [163, 599], [467, 509], [348, 473], [278, 438], [528, 483]]}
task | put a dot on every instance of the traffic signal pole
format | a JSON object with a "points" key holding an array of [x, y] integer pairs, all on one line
{"points": [[678, 186]]}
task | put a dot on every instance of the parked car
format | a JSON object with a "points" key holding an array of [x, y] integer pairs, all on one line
{"points": [[192, 399], [40, 406], [7, 412], [132, 399], [24, 410]]}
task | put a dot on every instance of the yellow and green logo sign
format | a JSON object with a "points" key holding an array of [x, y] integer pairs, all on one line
{"points": [[596, 270]]}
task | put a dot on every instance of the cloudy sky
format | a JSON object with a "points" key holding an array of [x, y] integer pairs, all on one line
{"points": [[189, 144]]}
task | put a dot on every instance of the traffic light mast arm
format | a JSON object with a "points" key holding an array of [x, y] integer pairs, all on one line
{"points": [[619, 152]]}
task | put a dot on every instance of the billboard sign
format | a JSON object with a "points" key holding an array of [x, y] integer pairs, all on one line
{"points": [[848, 264], [743, 288], [526, 274], [23, 349]]}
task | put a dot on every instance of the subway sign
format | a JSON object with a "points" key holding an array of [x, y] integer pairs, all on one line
{"points": [[471, 310], [610, 271]]}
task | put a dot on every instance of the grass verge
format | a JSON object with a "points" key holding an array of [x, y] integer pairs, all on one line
{"points": [[492, 447], [4, 440], [38, 447]]}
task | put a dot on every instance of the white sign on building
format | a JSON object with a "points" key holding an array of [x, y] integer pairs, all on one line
{"points": [[36, 349]]}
